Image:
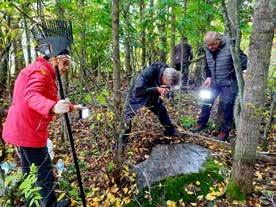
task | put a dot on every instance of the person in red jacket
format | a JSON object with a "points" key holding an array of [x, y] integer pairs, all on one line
{"points": [[35, 103]]}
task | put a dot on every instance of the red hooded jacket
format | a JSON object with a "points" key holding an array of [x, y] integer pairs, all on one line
{"points": [[35, 93]]}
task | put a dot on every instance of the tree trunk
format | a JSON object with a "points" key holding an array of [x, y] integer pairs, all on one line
{"points": [[116, 54], [143, 34], [18, 54], [127, 40], [232, 31], [253, 100], [163, 40], [151, 38], [4, 66], [200, 65], [40, 12], [116, 77], [28, 41], [127, 60], [65, 79], [83, 45], [172, 42]]}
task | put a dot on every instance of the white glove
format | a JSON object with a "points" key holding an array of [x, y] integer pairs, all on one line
{"points": [[61, 107]]}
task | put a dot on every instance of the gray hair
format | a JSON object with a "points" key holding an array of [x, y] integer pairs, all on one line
{"points": [[212, 36], [173, 76]]}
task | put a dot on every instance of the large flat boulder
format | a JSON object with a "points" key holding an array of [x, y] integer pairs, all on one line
{"points": [[170, 160]]}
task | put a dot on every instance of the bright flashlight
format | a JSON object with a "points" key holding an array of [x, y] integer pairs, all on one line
{"points": [[84, 112], [205, 94]]}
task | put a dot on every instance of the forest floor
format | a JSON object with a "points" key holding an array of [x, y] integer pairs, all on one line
{"points": [[94, 141]]}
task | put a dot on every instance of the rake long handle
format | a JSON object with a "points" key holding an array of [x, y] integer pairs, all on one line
{"points": [[70, 135]]}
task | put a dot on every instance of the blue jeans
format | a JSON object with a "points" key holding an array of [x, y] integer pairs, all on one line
{"points": [[45, 178], [228, 94]]}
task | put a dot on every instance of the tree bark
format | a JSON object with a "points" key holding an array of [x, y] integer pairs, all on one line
{"points": [[162, 33], [83, 44], [116, 54], [172, 42], [4, 66], [127, 40], [40, 12], [151, 36], [18, 54], [233, 34], [253, 99], [28, 41], [163, 41], [143, 34], [200, 65]]}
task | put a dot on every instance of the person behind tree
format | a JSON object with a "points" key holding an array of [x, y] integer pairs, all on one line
{"points": [[35, 103], [222, 81], [186, 57], [154, 81]]}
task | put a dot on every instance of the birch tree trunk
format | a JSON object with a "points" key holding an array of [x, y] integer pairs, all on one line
{"points": [[253, 99], [28, 41]]}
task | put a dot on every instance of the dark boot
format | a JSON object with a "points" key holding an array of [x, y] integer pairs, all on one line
{"points": [[62, 203], [223, 136], [198, 128]]}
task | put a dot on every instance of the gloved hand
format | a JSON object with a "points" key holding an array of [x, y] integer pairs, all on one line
{"points": [[61, 107]]}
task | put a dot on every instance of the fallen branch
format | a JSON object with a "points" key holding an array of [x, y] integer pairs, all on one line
{"points": [[260, 156], [221, 143]]}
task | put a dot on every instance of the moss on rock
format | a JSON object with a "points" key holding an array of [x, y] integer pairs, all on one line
{"points": [[185, 188]]}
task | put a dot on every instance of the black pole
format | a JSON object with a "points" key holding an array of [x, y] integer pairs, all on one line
{"points": [[67, 122]]}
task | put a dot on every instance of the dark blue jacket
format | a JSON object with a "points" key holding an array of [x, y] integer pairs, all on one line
{"points": [[220, 65], [145, 88]]}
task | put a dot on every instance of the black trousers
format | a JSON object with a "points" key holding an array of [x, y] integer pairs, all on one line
{"points": [[45, 178], [157, 107], [228, 94]]}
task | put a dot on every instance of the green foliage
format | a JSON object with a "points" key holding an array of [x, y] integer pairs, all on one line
{"points": [[187, 121], [9, 188], [233, 192], [187, 188], [29, 189], [101, 97], [211, 125], [15, 185], [272, 75]]}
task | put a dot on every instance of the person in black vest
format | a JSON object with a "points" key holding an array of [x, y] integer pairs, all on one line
{"points": [[222, 81], [154, 81], [187, 56]]}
